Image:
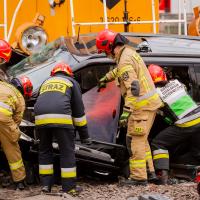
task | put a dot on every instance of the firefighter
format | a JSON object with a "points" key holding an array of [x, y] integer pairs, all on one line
{"points": [[5, 55], [59, 110], [5, 52], [141, 100], [182, 113], [12, 107]]}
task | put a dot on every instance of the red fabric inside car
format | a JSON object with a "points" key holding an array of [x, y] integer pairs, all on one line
{"points": [[102, 111]]}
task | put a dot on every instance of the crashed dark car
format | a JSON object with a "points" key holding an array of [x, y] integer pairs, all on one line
{"points": [[108, 154]]}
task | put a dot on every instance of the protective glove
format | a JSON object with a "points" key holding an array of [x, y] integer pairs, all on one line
{"points": [[102, 83], [124, 119], [87, 141]]}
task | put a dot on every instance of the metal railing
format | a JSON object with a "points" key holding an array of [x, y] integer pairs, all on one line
{"points": [[4, 24], [7, 34], [154, 22]]}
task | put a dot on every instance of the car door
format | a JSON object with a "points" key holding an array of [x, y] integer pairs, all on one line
{"points": [[103, 107]]}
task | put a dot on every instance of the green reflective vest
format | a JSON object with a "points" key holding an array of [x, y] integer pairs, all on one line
{"points": [[174, 95]]}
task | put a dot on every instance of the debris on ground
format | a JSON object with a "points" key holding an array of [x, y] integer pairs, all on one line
{"points": [[102, 190]]}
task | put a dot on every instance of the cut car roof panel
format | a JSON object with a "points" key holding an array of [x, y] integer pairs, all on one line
{"points": [[157, 43]]}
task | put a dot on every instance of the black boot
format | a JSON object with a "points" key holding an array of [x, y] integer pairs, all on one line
{"points": [[152, 178], [163, 176], [5, 181], [133, 182], [46, 189], [20, 185]]}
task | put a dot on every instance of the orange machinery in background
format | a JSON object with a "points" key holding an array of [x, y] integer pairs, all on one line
{"points": [[193, 28], [54, 17]]}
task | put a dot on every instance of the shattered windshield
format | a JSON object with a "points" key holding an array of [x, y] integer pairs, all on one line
{"points": [[39, 65], [51, 53], [47, 54]]}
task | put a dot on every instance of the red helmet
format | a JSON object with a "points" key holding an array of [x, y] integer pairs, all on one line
{"points": [[24, 85], [5, 50], [157, 73], [104, 41], [63, 68]]}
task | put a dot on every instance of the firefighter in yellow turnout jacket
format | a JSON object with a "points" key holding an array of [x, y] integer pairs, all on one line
{"points": [[12, 107], [141, 100], [58, 111]]}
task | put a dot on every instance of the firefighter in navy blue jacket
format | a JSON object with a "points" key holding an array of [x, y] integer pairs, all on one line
{"points": [[59, 110]]}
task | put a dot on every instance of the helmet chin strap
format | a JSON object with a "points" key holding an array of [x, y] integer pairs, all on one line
{"points": [[116, 50], [111, 55]]}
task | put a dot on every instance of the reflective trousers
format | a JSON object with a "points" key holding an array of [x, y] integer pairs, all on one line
{"points": [[66, 142], [139, 126], [169, 139], [9, 136]]}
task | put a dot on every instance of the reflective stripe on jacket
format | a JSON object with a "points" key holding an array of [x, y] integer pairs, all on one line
{"points": [[192, 119], [5, 109], [132, 70], [179, 107], [60, 104], [12, 104], [174, 95], [53, 119]]}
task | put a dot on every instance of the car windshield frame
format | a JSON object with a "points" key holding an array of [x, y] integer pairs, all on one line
{"points": [[47, 52]]}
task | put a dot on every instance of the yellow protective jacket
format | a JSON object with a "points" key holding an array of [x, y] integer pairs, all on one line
{"points": [[134, 80], [12, 104]]}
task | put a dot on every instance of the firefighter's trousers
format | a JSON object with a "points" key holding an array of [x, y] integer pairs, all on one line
{"points": [[139, 126], [66, 142], [9, 136], [169, 139]]}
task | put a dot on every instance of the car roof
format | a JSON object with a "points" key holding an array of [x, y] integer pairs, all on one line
{"points": [[173, 45], [162, 44]]}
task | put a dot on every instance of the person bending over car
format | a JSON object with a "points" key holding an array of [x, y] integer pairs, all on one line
{"points": [[179, 110], [141, 100], [58, 110], [12, 106]]}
